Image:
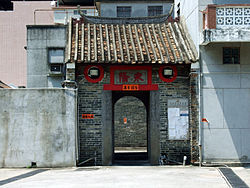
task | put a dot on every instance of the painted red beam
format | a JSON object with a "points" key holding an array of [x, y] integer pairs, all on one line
{"points": [[130, 87]]}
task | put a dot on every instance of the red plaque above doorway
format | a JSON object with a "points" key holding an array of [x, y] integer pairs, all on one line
{"points": [[130, 78]]}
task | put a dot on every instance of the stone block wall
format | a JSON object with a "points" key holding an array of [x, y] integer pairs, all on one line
{"points": [[132, 133], [194, 116], [178, 89], [91, 130]]}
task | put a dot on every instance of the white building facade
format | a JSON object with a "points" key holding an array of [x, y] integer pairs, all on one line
{"points": [[128, 8], [221, 33]]}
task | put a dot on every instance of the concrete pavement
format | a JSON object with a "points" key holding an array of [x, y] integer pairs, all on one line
{"points": [[243, 173], [120, 176]]}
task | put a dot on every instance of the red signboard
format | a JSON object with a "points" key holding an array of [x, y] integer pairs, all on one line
{"points": [[130, 87], [130, 78], [87, 116]]}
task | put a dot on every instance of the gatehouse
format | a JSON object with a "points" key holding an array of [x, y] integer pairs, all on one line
{"points": [[135, 91]]}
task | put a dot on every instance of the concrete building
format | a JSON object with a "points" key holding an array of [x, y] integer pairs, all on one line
{"points": [[45, 52], [221, 32], [13, 23], [128, 8]]}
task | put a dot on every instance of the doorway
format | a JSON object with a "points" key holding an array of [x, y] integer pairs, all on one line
{"points": [[130, 128], [151, 152]]}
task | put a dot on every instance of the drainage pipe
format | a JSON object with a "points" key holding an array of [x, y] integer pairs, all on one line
{"points": [[200, 102], [197, 70], [77, 137]]}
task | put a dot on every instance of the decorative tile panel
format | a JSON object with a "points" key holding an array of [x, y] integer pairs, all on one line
{"points": [[232, 16]]}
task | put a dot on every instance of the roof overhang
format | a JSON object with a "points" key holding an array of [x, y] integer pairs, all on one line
{"points": [[226, 35], [4, 85]]}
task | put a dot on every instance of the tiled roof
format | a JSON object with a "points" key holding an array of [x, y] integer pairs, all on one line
{"points": [[128, 43], [3, 85]]}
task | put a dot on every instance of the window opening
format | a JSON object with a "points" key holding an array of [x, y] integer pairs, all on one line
{"points": [[56, 59], [231, 55], [155, 10], [123, 11]]}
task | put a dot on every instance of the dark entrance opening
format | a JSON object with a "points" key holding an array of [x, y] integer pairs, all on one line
{"points": [[130, 127]]}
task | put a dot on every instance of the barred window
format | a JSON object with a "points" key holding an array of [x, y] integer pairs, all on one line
{"points": [[56, 59], [123, 11], [231, 55], [155, 10]]}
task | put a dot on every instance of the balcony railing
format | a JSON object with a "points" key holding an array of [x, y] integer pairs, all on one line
{"points": [[226, 23], [232, 16]]}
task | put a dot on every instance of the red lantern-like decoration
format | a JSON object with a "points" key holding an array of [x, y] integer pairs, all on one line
{"points": [[94, 73], [168, 73]]}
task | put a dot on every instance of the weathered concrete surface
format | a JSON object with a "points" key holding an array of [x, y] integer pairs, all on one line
{"points": [[226, 35], [226, 95], [122, 176], [37, 125], [39, 40]]}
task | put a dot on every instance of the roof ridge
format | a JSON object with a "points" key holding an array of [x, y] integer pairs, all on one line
{"points": [[118, 21], [134, 20]]}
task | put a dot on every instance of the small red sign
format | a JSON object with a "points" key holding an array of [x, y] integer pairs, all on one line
{"points": [[204, 120], [130, 87], [87, 116], [125, 120]]}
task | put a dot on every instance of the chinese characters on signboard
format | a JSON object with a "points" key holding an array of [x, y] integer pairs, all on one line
{"points": [[130, 87], [130, 77], [87, 116]]}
